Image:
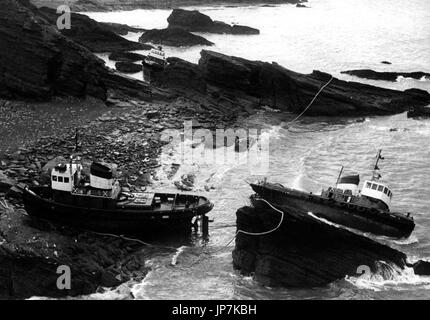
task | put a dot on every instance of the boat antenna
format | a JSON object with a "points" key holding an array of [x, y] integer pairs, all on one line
{"points": [[340, 174], [376, 175]]}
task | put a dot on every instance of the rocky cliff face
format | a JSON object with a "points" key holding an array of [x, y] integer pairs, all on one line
{"points": [[306, 252], [40, 62], [195, 21], [233, 82]]}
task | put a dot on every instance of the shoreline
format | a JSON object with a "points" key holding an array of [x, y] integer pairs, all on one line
{"points": [[102, 6]]}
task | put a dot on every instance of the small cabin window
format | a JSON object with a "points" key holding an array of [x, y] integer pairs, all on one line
{"points": [[381, 188], [60, 179], [54, 178], [374, 186], [66, 180]]}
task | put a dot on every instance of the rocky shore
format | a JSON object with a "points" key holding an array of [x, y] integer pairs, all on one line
{"points": [[121, 120], [239, 84], [31, 252], [306, 252], [116, 5]]}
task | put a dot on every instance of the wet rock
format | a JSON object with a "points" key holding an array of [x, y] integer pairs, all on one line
{"points": [[175, 37], [386, 76], [121, 29], [32, 250], [91, 34], [306, 252], [49, 63], [128, 67], [195, 21], [126, 56], [234, 84], [419, 112], [5, 182]]}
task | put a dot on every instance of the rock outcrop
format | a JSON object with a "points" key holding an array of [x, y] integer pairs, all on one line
{"points": [[195, 21], [126, 56], [231, 83], [386, 76], [307, 252], [31, 252], [41, 63], [121, 29], [419, 112], [128, 67], [175, 37], [91, 34]]}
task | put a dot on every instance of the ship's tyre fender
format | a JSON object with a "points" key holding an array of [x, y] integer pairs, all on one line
{"points": [[342, 204]]}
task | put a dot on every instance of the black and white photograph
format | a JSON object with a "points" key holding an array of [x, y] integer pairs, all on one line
{"points": [[214, 155]]}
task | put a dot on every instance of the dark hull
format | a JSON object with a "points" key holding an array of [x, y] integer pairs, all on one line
{"points": [[363, 219], [118, 221]]}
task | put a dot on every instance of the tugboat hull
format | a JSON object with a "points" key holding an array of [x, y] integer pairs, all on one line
{"points": [[364, 219], [136, 221]]}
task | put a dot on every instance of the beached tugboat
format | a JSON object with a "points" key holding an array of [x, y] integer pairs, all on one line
{"points": [[156, 59], [101, 204], [367, 209]]}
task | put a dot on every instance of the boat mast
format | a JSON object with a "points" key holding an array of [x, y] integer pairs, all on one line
{"points": [[376, 175], [338, 178]]}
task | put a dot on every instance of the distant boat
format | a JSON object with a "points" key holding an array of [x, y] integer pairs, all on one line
{"points": [[101, 204], [367, 209]]}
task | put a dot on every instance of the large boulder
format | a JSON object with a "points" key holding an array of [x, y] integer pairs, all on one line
{"points": [[128, 67], [233, 82], [175, 37], [39, 62], [126, 56], [199, 22], [307, 252]]}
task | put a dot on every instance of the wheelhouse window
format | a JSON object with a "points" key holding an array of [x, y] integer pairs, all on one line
{"points": [[60, 179], [66, 180], [386, 190], [54, 178], [368, 185], [374, 186], [381, 188]]}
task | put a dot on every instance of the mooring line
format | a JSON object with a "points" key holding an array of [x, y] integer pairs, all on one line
{"points": [[282, 213], [130, 239]]}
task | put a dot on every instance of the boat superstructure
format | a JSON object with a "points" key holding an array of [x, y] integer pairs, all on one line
{"points": [[366, 209], [99, 202]]}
